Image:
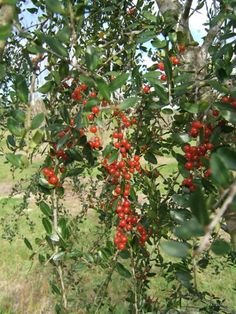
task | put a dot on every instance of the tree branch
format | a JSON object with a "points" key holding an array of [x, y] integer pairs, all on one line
{"points": [[212, 34], [187, 8], [221, 211], [171, 5]]}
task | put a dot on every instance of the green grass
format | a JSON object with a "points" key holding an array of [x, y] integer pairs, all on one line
{"points": [[6, 175]]}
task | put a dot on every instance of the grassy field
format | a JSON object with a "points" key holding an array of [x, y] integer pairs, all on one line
{"points": [[24, 285]]}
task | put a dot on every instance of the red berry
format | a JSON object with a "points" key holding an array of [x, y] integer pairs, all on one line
{"points": [[93, 129], [72, 122], [163, 77], [189, 165], [187, 148], [62, 169], [53, 180], [197, 124], [123, 239], [174, 60], [122, 223], [121, 246], [92, 95], [181, 48], [146, 89], [48, 172], [83, 86], [84, 102], [225, 99], [233, 104], [160, 66], [116, 240], [90, 117], [118, 190], [192, 188], [95, 110], [187, 182], [194, 132], [215, 113], [207, 173], [104, 102], [127, 176]]}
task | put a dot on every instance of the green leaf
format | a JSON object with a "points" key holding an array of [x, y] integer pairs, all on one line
{"points": [[54, 6], [37, 121], [228, 156], [188, 229], [28, 244], [45, 209], [149, 156], [157, 43], [10, 2], [229, 115], [119, 81], [47, 225], [148, 15], [185, 278], [19, 115], [3, 70], [91, 103], [190, 107], [22, 89], [74, 172], [175, 248], [107, 150], [91, 58], [123, 271], [55, 289], [113, 157], [5, 31], [181, 200], [56, 46], [129, 102], [44, 183], [220, 247], [152, 76], [220, 173], [145, 36], [168, 68], [37, 138], [64, 35], [15, 160], [65, 114], [218, 86], [14, 128], [47, 87], [62, 141], [103, 88], [198, 206], [161, 93], [11, 141]]}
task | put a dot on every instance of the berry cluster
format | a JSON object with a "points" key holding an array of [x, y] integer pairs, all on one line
{"points": [[195, 154], [120, 174], [160, 66], [229, 100], [52, 178]]}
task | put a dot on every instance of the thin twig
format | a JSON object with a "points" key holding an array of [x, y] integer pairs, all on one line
{"points": [[219, 214]]}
